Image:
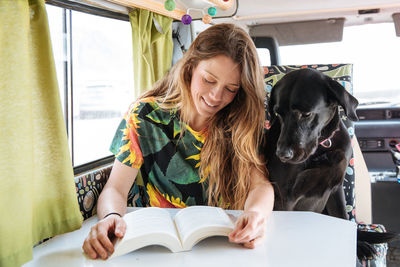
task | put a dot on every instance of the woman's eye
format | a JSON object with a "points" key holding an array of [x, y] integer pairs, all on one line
{"points": [[231, 90], [209, 81]]}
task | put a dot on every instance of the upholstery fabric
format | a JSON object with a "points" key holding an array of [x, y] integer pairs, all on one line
{"points": [[88, 188], [380, 248]]}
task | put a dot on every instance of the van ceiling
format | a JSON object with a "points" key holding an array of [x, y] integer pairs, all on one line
{"points": [[255, 12], [355, 12]]}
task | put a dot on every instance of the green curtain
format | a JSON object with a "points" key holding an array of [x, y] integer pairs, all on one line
{"points": [[37, 191], [152, 47]]}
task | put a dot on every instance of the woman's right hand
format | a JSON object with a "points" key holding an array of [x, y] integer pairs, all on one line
{"points": [[98, 243]]}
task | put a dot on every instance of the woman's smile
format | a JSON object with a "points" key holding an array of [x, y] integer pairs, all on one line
{"points": [[209, 104]]}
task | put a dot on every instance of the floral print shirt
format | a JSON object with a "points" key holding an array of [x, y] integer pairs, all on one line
{"points": [[151, 139]]}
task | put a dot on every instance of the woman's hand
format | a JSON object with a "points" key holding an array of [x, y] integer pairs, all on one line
{"points": [[98, 243], [249, 229], [250, 226]]}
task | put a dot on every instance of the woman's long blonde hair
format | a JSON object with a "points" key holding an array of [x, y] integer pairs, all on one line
{"points": [[230, 151]]}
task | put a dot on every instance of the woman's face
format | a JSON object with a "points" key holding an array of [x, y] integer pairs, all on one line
{"points": [[215, 83]]}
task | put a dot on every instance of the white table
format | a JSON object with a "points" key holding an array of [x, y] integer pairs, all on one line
{"points": [[293, 239]]}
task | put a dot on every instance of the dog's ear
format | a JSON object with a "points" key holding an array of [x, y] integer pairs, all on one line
{"points": [[345, 99], [271, 104]]}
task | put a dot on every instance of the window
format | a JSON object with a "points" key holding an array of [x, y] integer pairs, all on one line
{"points": [[264, 56], [374, 51], [102, 82], [94, 66], [56, 22]]}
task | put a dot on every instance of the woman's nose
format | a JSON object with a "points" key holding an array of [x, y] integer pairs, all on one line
{"points": [[217, 93]]}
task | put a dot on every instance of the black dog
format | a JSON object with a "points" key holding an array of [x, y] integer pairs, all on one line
{"points": [[308, 148]]}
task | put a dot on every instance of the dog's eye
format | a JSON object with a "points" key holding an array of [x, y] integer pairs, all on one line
{"points": [[306, 114]]}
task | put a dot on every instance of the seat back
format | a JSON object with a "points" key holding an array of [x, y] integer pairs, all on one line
{"points": [[343, 74]]}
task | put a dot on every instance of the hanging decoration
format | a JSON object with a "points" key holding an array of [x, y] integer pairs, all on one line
{"points": [[186, 19], [207, 18], [212, 11], [169, 5]]}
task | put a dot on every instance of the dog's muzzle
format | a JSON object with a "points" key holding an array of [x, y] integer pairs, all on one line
{"points": [[284, 155], [293, 155]]}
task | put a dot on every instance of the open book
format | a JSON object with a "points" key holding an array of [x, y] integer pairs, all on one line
{"points": [[155, 226]]}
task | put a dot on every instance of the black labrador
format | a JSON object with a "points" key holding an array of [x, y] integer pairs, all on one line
{"points": [[308, 148]]}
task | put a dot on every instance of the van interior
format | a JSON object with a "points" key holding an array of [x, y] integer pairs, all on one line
{"points": [[92, 48], [364, 33]]}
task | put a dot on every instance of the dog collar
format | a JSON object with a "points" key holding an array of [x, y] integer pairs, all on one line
{"points": [[327, 143]]}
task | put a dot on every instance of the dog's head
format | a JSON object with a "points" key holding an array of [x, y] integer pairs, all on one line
{"points": [[305, 104]]}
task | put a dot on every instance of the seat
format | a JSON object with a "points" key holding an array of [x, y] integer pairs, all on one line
{"points": [[88, 188], [342, 73]]}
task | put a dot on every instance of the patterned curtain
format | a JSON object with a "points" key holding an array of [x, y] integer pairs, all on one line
{"points": [[37, 192]]}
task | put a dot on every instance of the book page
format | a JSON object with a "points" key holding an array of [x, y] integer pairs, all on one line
{"points": [[148, 226], [198, 222]]}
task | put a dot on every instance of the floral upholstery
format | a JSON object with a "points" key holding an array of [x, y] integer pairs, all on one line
{"points": [[380, 248], [89, 186]]}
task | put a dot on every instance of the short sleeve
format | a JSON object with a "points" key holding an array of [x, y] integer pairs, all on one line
{"points": [[125, 144]]}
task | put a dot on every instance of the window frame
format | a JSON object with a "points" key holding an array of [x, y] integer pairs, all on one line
{"points": [[68, 90], [271, 44]]}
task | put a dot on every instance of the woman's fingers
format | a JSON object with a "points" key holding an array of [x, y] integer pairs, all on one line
{"points": [[100, 250], [245, 232], [248, 230], [255, 242], [238, 227], [120, 228], [89, 250], [98, 243], [105, 241]]}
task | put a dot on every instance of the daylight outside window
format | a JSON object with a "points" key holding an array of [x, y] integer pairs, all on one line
{"points": [[373, 49], [55, 17], [264, 56], [102, 82], [101, 79]]}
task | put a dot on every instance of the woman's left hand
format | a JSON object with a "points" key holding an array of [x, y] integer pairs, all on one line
{"points": [[249, 229]]}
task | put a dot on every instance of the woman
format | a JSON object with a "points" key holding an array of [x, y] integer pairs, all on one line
{"points": [[195, 139]]}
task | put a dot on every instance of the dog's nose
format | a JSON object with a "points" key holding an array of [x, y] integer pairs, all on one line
{"points": [[284, 154]]}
